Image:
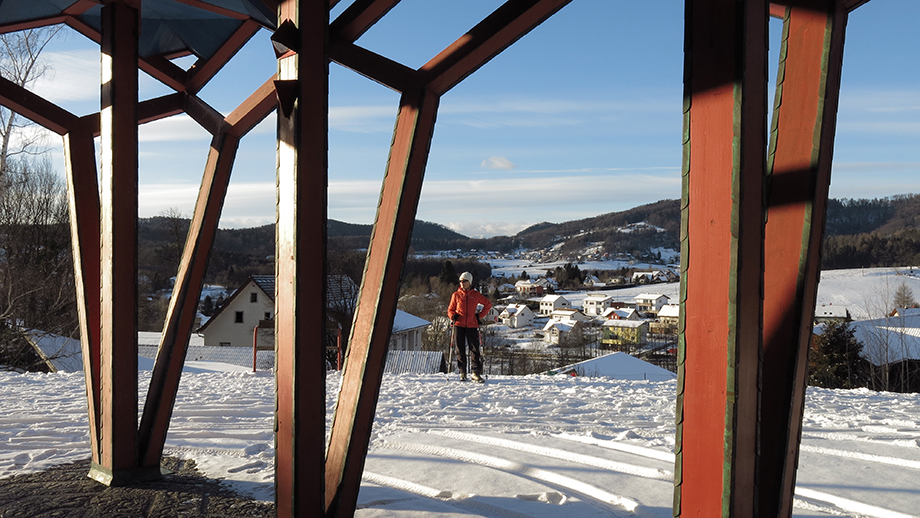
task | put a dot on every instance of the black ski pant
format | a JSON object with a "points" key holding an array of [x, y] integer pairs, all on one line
{"points": [[468, 336]]}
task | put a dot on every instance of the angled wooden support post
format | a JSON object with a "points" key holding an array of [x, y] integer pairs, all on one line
{"points": [[118, 339], [300, 257], [183, 305], [721, 257], [83, 201], [180, 316], [354, 415], [799, 166]]}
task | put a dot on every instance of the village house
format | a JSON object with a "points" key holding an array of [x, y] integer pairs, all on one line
{"points": [[649, 304], [547, 283], [550, 303], [624, 335], [232, 325], [596, 303], [592, 281], [561, 332], [620, 314], [668, 318], [568, 314], [831, 313], [527, 289], [516, 316]]}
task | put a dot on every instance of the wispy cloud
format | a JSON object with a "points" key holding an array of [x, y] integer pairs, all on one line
{"points": [[498, 162], [362, 119]]}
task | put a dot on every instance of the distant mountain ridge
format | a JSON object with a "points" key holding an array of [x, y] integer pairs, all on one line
{"points": [[859, 233]]}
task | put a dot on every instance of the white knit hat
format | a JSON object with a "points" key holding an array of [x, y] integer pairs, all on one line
{"points": [[466, 276]]}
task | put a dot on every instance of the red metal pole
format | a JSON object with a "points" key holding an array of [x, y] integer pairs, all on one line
{"points": [[800, 162], [255, 346], [722, 257], [300, 265]]}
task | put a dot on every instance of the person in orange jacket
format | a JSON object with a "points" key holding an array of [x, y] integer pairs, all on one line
{"points": [[466, 309]]}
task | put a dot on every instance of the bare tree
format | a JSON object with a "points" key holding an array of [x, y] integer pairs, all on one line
{"points": [[36, 264], [21, 63]]}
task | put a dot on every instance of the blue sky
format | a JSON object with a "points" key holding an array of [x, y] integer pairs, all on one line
{"points": [[580, 117]]}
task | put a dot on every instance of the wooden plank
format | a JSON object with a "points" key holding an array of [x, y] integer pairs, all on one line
{"points": [[358, 17], [204, 70], [300, 265], [376, 306], [799, 167], [722, 265]]}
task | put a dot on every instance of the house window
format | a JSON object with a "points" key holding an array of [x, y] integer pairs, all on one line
{"points": [[268, 315], [239, 317], [253, 297], [225, 344]]}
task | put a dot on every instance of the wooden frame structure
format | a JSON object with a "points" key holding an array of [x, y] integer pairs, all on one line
{"points": [[753, 211]]}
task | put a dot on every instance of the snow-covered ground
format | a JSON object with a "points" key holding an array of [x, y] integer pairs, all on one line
{"points": [[517, 446], [535, 446]]}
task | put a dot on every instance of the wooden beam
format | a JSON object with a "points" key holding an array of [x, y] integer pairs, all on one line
{"points": [[354, 414], [205, 69], [801, 148], [721, 258], [118, 405], [504, 26], [300, 263], [36, 109], [358, 17], [253, 110], [183, 305], [383, 70], [83, 202]]}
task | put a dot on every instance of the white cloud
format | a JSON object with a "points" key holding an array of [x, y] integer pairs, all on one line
{"points": [[362, 119], [498, 162], [175, 128]]}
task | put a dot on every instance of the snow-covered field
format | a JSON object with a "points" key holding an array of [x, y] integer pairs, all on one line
{"points": [[516, 446], [535, 446]]}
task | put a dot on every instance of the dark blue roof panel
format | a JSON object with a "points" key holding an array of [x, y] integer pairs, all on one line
{"points": [[168, 27]]}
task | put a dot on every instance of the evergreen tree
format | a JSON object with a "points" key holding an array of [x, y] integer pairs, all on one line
{"points": [[835, 361], [448, 274]]}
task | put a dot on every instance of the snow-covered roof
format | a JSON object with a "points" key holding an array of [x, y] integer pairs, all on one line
{"points": [[831, 311], [599, 297], [650, 296], [618, 365], [624, 323], [405, 321], [670, 310], [552, 298], [61, 353], [563, 326]]}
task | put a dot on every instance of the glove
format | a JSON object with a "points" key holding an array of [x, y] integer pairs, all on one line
{"points": [[456, 317]]}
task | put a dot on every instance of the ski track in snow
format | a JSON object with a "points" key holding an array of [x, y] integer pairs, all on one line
{"points": [[531, 433]]}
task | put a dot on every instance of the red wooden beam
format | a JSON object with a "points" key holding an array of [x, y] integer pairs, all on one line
{"points": [[802, 140], [376, 307], [253, 110], [721, 257], [504, 26], [118, 339], [36, 109], [180, 317], [204, 70], [83, 202], [300, 262], [385, 71], [35, 23], [358, 17]]}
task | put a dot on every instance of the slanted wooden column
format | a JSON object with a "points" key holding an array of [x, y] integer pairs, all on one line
{"points": [[376, 308], [118, 339], [801, 147], [300, 258], [721, 257], [83, 201]]}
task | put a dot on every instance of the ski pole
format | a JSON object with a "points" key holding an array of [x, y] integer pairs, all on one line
{"points": [[450, 350]]}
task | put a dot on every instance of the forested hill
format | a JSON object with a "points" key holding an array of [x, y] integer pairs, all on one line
{"points": [[877, 232]]}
